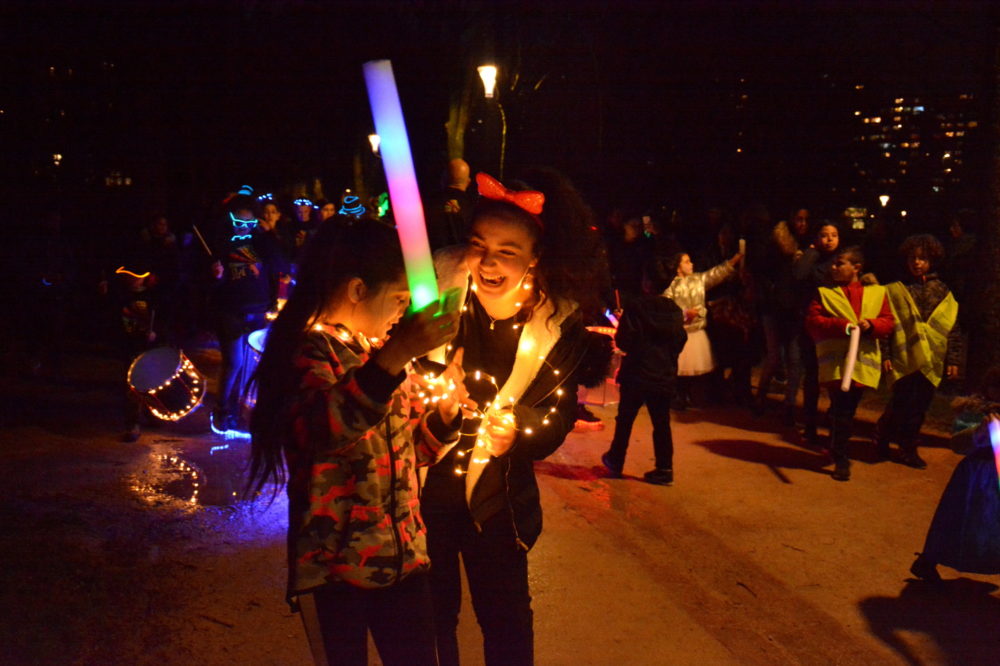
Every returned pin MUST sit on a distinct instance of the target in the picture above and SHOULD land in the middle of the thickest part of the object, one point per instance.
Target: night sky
(637, 101)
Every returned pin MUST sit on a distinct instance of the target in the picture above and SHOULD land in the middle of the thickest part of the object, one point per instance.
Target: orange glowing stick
(135, 275)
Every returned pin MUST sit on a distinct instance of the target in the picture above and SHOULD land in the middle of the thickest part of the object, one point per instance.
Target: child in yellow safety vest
(924, 348)
(831, 316)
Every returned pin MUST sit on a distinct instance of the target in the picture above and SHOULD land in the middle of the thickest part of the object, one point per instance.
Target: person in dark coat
(965, 531)
(651, 334)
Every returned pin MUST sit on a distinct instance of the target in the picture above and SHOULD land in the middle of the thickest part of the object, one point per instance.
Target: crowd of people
(408, 438)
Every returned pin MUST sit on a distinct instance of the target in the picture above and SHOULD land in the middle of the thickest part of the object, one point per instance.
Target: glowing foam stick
(994, 428)
(851, 358)
(403, 192)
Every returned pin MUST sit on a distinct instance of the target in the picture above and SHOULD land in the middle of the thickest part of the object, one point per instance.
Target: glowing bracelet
(403, 192)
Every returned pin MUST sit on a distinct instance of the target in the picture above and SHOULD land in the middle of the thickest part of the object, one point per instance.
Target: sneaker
(913, 459)
(584, 414)
(842, 472)
(659, 477)
(614, 471)
(924, 569)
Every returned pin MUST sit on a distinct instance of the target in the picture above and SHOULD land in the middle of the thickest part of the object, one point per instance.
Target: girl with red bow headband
(533, 262)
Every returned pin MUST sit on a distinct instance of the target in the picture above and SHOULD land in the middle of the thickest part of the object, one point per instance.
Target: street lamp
(374, 140)
(884, 200)
(488, 73)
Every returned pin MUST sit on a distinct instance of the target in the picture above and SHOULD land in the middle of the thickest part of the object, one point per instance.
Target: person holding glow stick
(965, 531)
(687, 290)
(336, 407)
(830, 319)
(532, 266)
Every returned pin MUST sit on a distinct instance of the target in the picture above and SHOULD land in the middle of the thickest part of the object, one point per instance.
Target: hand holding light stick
(851, 358)
(403, 193)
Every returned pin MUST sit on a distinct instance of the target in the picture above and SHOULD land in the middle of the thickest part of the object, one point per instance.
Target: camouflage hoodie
(358, 435)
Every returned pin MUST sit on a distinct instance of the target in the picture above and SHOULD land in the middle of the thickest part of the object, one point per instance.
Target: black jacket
(651, 334)
(508, 486)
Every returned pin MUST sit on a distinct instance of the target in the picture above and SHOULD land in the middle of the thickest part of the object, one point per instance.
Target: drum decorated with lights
(167, 383)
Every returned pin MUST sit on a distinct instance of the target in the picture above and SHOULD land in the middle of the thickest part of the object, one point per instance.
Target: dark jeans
(903, 416)
(843, 405)
(658, 404)
(399, 618)
(497, 570)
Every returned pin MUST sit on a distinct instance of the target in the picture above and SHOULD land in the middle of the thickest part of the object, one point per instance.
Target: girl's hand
(500, 431)
(951, 372)
(453, 381)
(865, 325)
(736, 259)
(418, 333)
(887, 366)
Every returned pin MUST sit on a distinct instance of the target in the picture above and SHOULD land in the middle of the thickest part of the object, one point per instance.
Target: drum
(167, 383)
(255, 341)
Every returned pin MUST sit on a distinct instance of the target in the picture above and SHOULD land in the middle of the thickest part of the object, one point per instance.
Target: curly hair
(929, 246)
(572, 266)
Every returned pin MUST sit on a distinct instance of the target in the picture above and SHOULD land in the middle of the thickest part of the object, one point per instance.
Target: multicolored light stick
(399, 172)
(994, 429)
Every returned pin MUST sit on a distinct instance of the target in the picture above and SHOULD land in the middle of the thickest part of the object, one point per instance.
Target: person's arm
(719, 274)
(953, 356)
(628, 337)
(338, 407)
(542, 430)
(821, 325)
(881, 326)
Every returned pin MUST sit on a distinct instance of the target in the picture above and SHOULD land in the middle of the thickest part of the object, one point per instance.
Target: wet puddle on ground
(192, 472)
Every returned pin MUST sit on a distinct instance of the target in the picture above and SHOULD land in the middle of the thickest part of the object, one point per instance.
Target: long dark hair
(572, 266)
(343, 248)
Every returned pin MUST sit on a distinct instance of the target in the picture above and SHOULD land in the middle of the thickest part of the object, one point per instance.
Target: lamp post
(488, 73)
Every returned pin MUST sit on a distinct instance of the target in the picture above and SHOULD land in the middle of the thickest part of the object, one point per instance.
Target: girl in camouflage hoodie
(342, 415)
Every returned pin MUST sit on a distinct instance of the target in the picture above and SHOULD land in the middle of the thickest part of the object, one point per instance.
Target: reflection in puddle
(200, 475)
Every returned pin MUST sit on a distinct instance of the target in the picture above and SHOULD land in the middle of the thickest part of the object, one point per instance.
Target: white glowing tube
(851, 358)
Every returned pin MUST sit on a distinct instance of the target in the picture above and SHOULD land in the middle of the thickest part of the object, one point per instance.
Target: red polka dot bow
(528, 200)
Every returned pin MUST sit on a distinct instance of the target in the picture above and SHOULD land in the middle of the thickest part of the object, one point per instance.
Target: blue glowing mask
(242, 229)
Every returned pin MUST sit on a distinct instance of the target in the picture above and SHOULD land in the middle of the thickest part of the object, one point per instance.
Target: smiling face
(381, 308)
(327, 211)
(828, 239)
(500, 254)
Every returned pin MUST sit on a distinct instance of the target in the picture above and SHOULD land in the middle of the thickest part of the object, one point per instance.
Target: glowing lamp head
(883, 199)
(374, 140)
(488, 73)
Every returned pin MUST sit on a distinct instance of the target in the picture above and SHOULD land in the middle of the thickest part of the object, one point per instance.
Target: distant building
(915, 148)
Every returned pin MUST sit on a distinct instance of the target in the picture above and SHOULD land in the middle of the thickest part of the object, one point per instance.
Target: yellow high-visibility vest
(918, 345)
(830, 353)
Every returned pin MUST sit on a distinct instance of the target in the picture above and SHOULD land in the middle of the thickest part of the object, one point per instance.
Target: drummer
(246, 271)
(136, 315)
